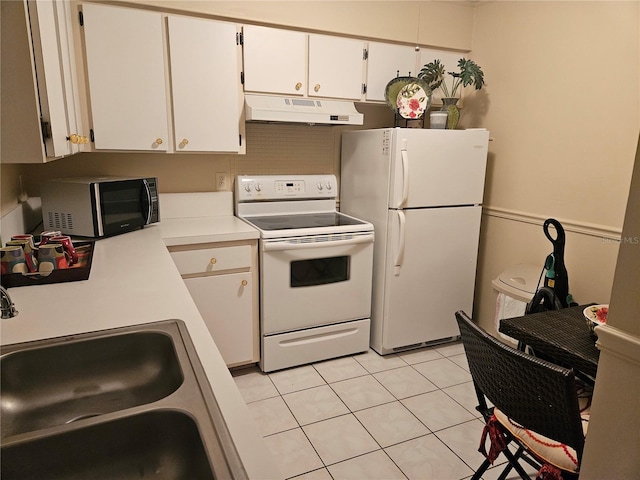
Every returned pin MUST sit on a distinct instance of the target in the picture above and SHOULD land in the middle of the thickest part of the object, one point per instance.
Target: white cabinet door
(39, 91)
(274, 60)
(387, 61)
(126, 77)
(205, 85)
(52, 60)
(225, 303)
(335, 67)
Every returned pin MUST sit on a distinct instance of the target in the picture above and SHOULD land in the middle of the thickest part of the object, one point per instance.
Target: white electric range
(315, 269)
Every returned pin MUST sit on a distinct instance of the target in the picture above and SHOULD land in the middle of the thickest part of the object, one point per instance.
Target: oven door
(313, 281)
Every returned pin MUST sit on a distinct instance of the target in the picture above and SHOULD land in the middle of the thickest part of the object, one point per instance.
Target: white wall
(563, 106)
(613, 441)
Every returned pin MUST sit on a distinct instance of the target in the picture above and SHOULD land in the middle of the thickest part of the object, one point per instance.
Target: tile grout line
(353, 412)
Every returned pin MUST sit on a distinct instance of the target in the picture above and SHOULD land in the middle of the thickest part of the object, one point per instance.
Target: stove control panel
(285, 187)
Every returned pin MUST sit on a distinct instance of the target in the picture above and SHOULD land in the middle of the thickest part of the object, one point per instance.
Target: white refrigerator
(422, 190)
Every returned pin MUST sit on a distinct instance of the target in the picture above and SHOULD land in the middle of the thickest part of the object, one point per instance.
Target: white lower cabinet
(222, 280)
(225, 303)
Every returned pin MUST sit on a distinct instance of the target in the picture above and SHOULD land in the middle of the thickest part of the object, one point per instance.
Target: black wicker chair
(532, 398)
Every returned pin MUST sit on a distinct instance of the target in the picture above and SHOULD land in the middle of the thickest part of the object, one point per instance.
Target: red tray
(73, 274)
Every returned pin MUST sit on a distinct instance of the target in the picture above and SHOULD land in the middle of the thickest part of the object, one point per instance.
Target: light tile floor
(409, 415)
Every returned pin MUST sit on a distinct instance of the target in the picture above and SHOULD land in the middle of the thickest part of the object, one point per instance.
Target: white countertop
(133, 280)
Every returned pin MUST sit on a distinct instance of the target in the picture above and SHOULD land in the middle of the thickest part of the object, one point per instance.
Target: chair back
(533, 392)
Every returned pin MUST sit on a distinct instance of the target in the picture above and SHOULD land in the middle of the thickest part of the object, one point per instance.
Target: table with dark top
(562, 335)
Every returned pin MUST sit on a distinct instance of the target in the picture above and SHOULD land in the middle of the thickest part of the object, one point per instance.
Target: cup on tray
(66, 243)
(45, 236)
(52, 256)
(25, 236)
(12, 260)
(83, 255)
(29, 251)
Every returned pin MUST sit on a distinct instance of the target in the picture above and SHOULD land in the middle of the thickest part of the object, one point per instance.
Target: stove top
(286, 206)
(309, 220)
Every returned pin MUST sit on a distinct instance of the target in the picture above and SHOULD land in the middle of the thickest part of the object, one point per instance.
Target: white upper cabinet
(386, 62)
(144, 98)
(126, 77)
(335, 67)
(295, 63)
(274, 60)
(39, 90)
(205, 84)
(55, 67)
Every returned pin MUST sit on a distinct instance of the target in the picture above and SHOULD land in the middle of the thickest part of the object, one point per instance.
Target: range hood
(265, 108)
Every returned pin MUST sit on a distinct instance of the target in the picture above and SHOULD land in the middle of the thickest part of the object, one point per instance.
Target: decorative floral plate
(597, 313)
(412, 101)
(408, 96)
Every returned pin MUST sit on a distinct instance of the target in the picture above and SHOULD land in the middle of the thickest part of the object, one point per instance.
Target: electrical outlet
(222, 182)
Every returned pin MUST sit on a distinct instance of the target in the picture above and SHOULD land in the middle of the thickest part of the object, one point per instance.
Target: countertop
(133, 281)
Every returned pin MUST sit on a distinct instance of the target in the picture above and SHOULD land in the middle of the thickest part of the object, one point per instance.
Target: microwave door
(121, 206)
(146, 201)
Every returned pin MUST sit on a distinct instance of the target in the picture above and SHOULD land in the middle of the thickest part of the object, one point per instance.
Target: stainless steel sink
(126, 403)
(64, 382)
(159, 444)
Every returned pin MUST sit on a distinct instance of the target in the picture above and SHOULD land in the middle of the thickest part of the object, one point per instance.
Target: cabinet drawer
(212, 259)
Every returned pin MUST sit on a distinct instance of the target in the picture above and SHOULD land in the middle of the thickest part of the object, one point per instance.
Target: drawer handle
(244, 283)
(213, 261)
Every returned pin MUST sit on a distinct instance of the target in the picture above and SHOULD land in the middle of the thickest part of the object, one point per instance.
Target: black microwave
(99, 206)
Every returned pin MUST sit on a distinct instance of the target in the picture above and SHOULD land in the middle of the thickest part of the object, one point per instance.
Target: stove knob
(247, 187)
(258, 187)
(319, 185)
(329, 187)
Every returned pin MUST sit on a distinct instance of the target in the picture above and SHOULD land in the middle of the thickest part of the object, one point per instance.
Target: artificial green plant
(469, 73)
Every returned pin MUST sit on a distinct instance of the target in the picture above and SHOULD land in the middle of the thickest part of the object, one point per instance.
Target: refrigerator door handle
(405, 177)
(401, 243)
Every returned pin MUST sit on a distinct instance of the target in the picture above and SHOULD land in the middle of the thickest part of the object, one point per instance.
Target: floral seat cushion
(548, 450)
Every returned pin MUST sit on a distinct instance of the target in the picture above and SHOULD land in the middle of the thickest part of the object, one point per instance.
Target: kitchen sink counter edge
(134, 281)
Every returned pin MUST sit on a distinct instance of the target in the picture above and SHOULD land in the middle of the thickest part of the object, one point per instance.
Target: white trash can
(516, 286)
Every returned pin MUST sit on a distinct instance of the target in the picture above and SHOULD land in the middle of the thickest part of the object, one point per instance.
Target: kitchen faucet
(8, 308)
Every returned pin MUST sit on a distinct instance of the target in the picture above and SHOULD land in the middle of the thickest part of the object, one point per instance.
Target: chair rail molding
(606, 232)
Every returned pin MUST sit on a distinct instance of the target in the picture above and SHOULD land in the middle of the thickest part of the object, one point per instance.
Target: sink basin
(129, 402)
(158, 444)
(64, 382)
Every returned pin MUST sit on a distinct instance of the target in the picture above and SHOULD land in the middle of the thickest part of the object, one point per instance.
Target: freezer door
(437, 167)
(431, 267)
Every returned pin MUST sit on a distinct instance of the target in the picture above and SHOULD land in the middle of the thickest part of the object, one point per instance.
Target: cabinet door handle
(77, 139)
(184, 143)
(316, 88)
(298, 86)
(213, 261)
(158, 141)
(244, 283)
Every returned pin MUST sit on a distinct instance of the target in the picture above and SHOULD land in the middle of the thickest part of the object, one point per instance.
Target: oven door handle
(269, 246)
